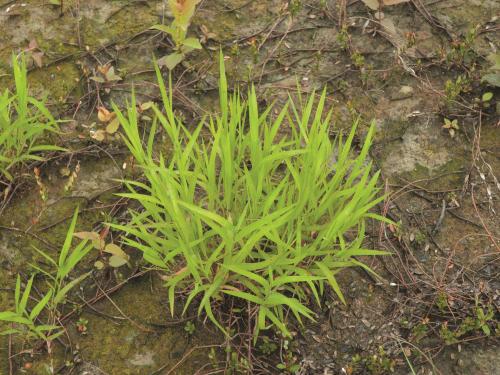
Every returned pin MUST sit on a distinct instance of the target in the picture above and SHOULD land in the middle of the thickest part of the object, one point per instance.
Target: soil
(391, 68)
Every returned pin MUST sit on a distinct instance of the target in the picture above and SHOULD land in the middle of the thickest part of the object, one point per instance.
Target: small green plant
(82, 326)
(381, 363)
(23, 121)
(289, 362)
(267, 346)
(24, 321)
(183, 11)
(375, 364)
(237, 363)
(442, 301)
(481, 321)
(257, 213)
(462, 51)
(483, 318)
(212, 356)
(190, 328)
(419, 331)
(29, 323)
(343, 38)
(451, 126)
(452, 89)
(295, 6)
(358, 60)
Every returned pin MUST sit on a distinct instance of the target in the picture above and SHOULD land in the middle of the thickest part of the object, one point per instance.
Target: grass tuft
(267, 210)
(23, 121)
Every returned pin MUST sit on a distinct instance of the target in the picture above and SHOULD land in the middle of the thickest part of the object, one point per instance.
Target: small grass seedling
(41, 320)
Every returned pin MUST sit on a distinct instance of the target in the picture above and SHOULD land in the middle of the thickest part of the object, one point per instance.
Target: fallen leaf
(112, 76)
(103, 69)
(33, 44)
(113, 126)
(98, 135)
(207, 34)
(372, 4)
(98, 79)
(87, 235)
(104, 115)
(37, 58)
(145, 106)
(97, 241)
(64, 171)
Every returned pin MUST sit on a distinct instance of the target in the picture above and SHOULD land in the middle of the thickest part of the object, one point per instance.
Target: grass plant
(265, 211)
(23, 121)
(41, 321)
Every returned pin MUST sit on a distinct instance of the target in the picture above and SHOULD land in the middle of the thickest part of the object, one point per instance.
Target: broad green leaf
(164, 28)
(116, 261)
(117, 251)
(171, 61)
(113, 126)
(192, 43)
(9, 316)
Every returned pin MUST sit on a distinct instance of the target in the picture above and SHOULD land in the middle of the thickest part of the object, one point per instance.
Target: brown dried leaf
(104, 115)
(94, 237)
(372, 4)
(104, 69)
(37, 58)
(112, 76)
(87, 235)
(33, 44)
(99, 135)
(145, 106)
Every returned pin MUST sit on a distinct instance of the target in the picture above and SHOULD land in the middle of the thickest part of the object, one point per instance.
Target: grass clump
(41, 321)
(265, 211)
(23, 121)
